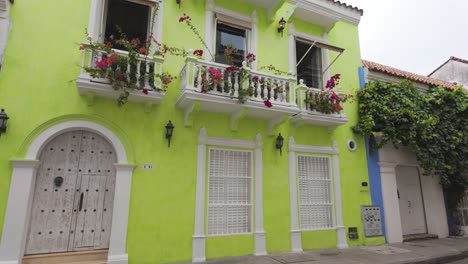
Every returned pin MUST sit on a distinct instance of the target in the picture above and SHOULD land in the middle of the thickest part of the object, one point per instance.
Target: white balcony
(223, 97)
(307, 115)
(146, 74)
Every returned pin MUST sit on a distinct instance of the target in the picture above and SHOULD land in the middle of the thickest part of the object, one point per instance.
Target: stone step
(80, 257)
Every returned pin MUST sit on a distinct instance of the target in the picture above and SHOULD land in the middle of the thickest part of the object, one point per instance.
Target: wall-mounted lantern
(3, 121)
(279, 143)
(169, 130)
(178, 2)
(281, 26)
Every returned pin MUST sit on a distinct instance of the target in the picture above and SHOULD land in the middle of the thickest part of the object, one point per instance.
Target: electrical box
(371, 220)
(353, 233)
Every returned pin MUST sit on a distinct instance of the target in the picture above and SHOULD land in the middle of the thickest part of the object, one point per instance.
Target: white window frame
(98, 16)
(331, 192)
(252, 185)
(199, 236)
(333, 152)
(211, 23)
(294, 36)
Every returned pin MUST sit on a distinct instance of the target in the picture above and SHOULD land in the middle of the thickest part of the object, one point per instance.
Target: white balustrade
(146, 72)
(230, 82)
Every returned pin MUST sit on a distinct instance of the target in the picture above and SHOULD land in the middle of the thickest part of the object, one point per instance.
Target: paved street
(437, 251)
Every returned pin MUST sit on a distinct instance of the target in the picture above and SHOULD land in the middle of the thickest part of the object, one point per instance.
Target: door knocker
(58, 181)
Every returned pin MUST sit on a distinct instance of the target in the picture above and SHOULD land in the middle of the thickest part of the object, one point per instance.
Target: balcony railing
(256, 86)
(331, 114)
(238, 91)
(142, 74)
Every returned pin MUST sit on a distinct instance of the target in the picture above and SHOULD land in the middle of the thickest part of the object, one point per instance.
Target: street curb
(441, 259)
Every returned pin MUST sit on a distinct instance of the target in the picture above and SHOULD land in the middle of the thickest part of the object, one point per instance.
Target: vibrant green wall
(37, 85)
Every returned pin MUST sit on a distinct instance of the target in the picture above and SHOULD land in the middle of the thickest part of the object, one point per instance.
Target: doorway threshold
(79, 257)
(407, 238)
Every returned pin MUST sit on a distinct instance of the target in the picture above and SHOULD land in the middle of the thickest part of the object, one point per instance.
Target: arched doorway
(73, 195)
(18, 215)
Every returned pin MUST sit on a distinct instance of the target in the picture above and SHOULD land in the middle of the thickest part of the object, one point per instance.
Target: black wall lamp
(178, 2)
(3, 121)
(279, 143)
(169, 130)
(281, 26)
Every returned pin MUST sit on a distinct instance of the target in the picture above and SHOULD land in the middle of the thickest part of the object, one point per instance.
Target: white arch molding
(22, 185)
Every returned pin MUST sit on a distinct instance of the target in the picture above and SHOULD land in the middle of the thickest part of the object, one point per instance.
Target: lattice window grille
(315, 192)
(229, 192)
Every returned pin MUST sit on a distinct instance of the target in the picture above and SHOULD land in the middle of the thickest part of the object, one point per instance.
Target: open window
(232, 37)
(310, 64)
(130, 18)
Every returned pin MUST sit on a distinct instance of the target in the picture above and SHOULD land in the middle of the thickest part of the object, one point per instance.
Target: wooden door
(410, 200)
(85, 162)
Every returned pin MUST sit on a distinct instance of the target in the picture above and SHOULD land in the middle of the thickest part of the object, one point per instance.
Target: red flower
(256, 78)
(203, 90)
(142, 50)
(334, 96)
(145, 91)
(135, 41)
(198, 53)
(111, 59)
(267, 103)
(102, 63)
(231, 68)
(337, 107)
(109, 44)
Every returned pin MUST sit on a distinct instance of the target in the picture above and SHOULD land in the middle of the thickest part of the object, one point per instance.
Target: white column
(296, 241)
(254, 38)
(198, 239)
(260, 235)
(340, 228)
(292, 49)
(209, 26)
(16, 222)
(393, 229)
(118, 238)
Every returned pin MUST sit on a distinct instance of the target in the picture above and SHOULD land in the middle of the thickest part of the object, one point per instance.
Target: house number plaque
(371, 221)
(147, 166)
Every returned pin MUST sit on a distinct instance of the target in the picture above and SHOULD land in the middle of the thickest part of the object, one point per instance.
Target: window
(310, 67)
(128, 18)
(315, 192)
(229, 192)
(231, 37)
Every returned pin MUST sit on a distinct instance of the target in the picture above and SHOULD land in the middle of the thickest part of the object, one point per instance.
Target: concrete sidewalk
(418, 252)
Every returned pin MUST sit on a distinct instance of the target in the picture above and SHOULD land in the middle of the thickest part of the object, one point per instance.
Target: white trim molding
(199, 236)
(22, 186)
(296, 241)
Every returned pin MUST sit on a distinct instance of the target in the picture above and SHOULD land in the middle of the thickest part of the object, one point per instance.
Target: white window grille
(463, 209)
(315, 193)
(229, 192)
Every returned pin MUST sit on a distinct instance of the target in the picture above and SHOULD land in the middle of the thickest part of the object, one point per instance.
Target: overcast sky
(413, 35)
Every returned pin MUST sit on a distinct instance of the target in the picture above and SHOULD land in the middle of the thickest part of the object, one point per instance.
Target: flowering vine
(188, 21)
(326, 100)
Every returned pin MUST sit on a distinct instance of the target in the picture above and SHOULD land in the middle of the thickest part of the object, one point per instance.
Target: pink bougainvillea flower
(145, 91)
(255, 78)
(198, 53)
(231, 68)
(184, 18)
(203, 90)
(120, 76)
(267, 103)
(251, 57)
(334, 96)
(135, 41)
(102, 63)
(142, 50)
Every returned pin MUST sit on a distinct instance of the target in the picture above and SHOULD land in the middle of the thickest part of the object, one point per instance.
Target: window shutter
(229, 192)
(315, 192)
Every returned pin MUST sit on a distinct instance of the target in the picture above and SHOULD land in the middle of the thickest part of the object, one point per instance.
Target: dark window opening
(310, 68)
(227, 36)
(127, 18)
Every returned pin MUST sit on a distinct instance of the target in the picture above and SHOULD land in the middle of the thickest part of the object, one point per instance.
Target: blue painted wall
(373, 167)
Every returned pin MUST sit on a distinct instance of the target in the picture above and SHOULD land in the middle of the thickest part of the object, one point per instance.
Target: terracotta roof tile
(348, 6)
(373, 66)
